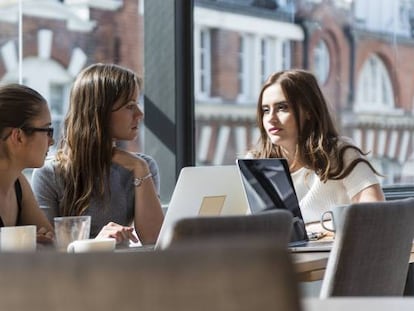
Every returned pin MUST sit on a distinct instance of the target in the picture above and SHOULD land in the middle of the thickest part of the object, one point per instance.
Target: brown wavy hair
(319, 147)
(85, 152)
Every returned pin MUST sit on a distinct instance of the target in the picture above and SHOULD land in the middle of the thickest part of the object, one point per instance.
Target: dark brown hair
(19, 104)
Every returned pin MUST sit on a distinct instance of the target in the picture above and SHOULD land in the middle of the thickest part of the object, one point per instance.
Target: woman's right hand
(122, 234)
(130, 161)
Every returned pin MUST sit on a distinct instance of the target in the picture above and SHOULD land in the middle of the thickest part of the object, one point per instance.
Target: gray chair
(237, 277)
(275, 224)
(371, 251)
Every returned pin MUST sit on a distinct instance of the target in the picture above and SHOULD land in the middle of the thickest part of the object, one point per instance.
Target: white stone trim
(248, 24)
(381, 143)
(222, 142)
(77, 61)
(204, 143)
(44, 46)
(241, 141)
(403, 152)
(369, 142)
(392, 147)
(9, 55)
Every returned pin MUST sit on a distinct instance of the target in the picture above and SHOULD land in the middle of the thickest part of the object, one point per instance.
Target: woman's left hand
(44, 236)
(122, 234)
(130, 161)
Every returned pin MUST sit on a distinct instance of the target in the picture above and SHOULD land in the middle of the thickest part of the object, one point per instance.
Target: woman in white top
(295, 123)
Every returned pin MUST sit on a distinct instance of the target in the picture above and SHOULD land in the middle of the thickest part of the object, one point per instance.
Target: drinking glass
(69, 229)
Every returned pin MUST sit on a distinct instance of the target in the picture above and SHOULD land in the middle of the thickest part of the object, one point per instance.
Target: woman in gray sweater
(90, 175)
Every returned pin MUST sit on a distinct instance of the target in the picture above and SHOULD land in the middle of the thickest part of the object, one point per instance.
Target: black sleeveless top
(19, 196)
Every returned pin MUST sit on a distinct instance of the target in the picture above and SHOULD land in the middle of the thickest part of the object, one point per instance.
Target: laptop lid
(203, 191)
(268, 185)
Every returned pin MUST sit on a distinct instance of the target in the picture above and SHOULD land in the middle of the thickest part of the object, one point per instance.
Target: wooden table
(310, 266)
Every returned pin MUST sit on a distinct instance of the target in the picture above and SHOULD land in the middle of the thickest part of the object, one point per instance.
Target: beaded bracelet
(139, 180)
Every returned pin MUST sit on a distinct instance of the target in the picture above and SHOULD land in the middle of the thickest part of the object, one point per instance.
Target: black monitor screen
(268, 185)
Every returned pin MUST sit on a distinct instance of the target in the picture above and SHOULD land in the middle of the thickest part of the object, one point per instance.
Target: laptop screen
(203, 191)
(268, 185)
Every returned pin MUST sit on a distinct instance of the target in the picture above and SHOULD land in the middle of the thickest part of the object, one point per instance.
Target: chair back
(274, 224)
(255, 276)
(371, 251)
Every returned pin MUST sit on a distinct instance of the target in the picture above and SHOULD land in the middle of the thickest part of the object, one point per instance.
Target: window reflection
(361, 50)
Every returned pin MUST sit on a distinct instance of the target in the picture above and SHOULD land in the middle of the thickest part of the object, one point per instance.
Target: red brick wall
(224, 64)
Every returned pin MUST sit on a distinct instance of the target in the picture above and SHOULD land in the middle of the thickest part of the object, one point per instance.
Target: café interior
(203, 63)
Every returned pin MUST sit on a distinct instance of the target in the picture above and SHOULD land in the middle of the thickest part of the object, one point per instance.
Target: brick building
(60, 39)
(360, 51)
(361, 65)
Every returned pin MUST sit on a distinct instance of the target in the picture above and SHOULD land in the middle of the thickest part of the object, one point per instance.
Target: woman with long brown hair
(90, 175)
(295, 123)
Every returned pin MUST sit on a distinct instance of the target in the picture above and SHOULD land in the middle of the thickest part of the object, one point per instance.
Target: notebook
(203, 191)
(268, 185)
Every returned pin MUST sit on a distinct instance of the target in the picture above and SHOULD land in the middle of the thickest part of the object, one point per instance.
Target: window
(267, 58)
(244, 68)
(363, 69)
(202, 63)
(263, 59)
(286, 54)
(322, 61)
(374, 88)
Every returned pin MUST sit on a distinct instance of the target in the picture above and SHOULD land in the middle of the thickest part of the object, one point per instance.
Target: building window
(57, 104)
(321, 61)
(203, 63)
(241, 65)
(286, 54)
(244, 70)
(267, 58)
(374, 91)
(263, 58)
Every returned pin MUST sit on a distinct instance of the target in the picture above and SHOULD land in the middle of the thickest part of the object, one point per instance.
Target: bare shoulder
(24, 182)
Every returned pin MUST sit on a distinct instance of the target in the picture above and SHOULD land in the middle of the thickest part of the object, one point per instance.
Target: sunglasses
(48, 130)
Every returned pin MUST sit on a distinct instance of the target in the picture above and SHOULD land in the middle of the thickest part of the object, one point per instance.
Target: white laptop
(268, 185)
(203, 191)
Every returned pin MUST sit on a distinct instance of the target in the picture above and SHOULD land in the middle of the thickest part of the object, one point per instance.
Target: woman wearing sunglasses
(25, 137)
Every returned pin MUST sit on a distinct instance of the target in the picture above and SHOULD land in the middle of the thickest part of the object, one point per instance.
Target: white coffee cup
(18, 239)
(69, 229)
(92, 245)
(336, 218)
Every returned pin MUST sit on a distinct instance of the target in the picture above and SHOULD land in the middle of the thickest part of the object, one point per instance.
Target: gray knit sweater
(48, 188)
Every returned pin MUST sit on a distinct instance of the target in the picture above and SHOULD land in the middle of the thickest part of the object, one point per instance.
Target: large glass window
(361, 50)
